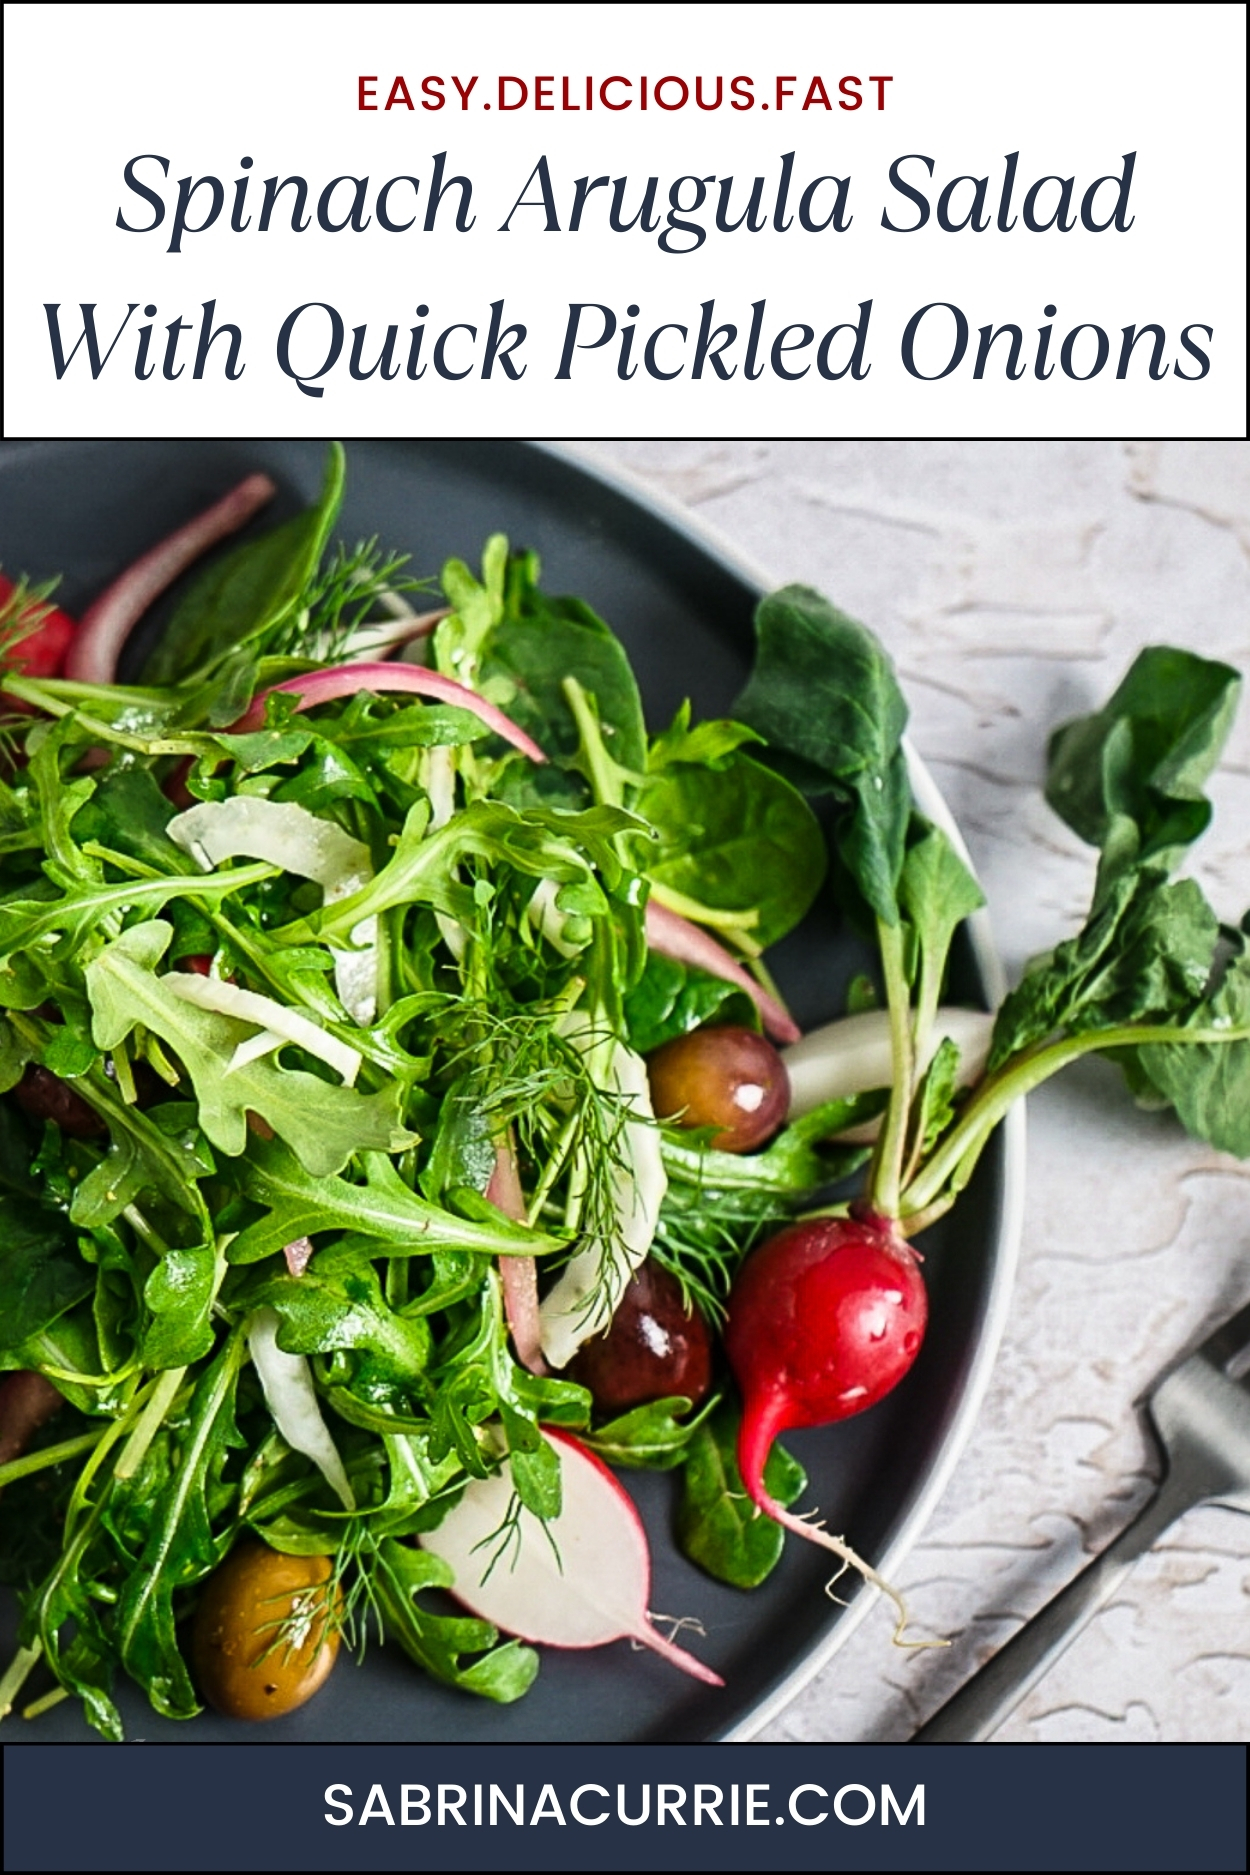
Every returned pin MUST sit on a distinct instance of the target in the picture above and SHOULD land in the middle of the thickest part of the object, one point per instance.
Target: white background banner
(672, 220)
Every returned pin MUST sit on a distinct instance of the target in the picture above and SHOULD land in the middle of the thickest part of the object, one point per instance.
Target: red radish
(108, 622)
(674, 936)
(518, 1276)
(581, 1580)
(41, 653)
(824, 1319)
(344, 680)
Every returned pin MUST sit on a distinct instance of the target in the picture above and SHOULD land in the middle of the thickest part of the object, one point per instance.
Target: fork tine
(1228, 1340)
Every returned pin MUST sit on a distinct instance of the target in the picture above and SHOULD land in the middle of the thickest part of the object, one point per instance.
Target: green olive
(264, 1637)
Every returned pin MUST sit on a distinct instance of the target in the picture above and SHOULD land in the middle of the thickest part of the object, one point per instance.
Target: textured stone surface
(1013, 582)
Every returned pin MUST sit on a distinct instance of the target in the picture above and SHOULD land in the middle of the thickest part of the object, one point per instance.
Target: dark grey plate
(85, 509)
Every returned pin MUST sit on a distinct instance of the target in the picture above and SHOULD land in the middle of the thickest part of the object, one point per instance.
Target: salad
(402, 1133)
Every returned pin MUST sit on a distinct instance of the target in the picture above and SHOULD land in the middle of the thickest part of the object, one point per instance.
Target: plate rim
(995, 1302)
(1010, 1228)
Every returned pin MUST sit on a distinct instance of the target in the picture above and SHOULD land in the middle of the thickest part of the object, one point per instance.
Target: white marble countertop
(1013, 583)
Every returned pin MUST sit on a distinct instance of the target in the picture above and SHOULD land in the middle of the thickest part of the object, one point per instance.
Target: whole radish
(824, 1320)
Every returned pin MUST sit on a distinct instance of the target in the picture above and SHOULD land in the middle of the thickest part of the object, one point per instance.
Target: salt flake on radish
(582, 1580)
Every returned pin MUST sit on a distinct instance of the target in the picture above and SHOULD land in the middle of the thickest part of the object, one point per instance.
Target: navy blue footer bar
(605, 1807)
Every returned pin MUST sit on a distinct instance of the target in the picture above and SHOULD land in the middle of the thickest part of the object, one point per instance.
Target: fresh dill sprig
(339, 601)
(23, 611)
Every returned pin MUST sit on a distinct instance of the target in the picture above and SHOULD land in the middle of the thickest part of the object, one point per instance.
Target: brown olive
(652, 1348)
(45, 1096)
(729, 1078)
(264, 1638)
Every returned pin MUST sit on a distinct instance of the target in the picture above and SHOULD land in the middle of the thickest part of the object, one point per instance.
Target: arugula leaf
(180, 1293)
(394, 1219)
(823, 691)
(183, 1546)
(337, 1304)
(708, 743)
(654, 1437)
(64, 1601)
(323, 1124)
(718, 1526)
(793, 1161)
(129, 813)
(1129, 777)
(440, 1643)
(540, 843)
(735, 837)
(250, 589)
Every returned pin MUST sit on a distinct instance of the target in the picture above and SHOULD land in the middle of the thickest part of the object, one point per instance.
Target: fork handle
(979, 1707)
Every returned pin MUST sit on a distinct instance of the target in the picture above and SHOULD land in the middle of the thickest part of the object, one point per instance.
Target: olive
(264, 1638)
(729, 1078)
(652, 1347)
(45, 1096)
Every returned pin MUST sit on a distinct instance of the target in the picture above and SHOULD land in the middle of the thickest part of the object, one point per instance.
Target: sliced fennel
(287, 835)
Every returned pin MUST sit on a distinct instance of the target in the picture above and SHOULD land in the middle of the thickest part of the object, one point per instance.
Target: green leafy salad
(394, 1092)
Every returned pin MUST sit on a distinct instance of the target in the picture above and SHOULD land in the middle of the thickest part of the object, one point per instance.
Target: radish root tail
(817, 1533)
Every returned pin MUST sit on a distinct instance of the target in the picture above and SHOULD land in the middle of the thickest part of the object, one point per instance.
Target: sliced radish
(344, 680)
(582, 1580)
(674, 936)
(107, 623)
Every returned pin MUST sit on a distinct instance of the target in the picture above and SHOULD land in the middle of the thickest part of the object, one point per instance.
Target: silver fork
(1202, 1417)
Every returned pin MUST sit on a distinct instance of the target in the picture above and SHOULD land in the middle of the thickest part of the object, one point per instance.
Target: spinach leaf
(718, 1526)
(1146, 950)
(254, 586)
(735, 837)
(671, 998)
(129, 814)
(440, 1643)
(1208, 1084)
(1129, 777)
(936, 892)
(823, 691)
(540, 642)
(41, 1273)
